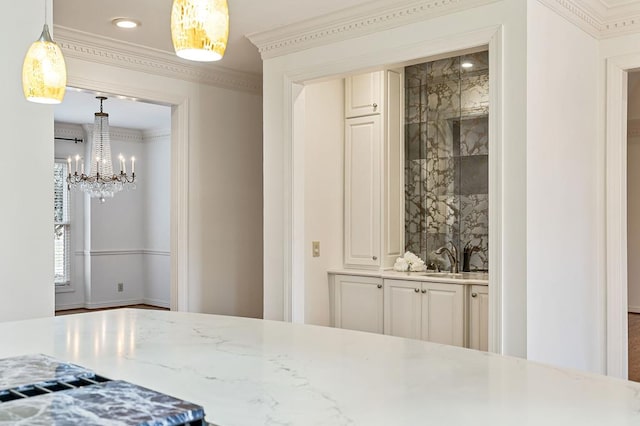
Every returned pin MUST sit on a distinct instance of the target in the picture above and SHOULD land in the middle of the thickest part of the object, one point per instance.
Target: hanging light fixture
(44, 72)
(200, 29)
(101, 182)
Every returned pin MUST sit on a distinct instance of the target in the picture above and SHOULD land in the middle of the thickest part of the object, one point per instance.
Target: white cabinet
(373, 187)
(443, 313)
(479, 317)
(362, 191)
(363, 94)
(425, 310)
(358, 303)
(402, 308)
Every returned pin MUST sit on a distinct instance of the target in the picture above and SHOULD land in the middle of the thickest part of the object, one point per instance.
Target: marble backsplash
(446, 137)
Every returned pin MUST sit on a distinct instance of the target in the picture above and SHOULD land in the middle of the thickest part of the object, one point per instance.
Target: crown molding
(108, 51)
(597, 17)
(68, 130)
(352, 22)
(155, 135)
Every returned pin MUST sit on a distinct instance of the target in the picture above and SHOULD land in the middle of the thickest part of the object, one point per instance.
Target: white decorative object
(409, 262)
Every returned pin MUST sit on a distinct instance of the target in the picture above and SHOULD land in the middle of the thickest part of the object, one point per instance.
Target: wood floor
(83, 310)
(634, 347)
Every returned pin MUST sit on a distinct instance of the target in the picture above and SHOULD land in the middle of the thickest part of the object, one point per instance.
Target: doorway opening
(298, 240)
(113, 251)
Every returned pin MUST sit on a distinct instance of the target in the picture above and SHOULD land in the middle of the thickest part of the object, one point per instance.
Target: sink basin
(460, 275)
(443, 274)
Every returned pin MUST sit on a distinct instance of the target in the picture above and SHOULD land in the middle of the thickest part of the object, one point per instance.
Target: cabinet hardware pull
(379, 285)
(474, 294)
(424, 291)
(417, 290)
(375, 105)
(375, 257)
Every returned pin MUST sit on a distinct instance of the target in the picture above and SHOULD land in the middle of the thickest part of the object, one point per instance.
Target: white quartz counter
(255, 372)
(475, 278)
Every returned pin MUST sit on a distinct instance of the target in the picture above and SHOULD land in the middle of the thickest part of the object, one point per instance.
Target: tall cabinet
(374, 201)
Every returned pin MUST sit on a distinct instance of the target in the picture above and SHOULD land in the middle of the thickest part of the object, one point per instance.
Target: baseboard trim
(114, 303)
(634, 309)
(69, 306)
(156, 302)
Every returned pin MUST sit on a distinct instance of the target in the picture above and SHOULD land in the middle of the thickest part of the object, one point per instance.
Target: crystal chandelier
(101, 182)
(44, 73)
(200, 29)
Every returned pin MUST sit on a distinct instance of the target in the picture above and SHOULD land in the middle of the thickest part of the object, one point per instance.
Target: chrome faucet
(453, 256)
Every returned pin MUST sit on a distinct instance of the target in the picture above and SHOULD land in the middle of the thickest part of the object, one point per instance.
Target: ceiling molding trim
(127, 135)
(155, 135)
(354, 22)
(68, 130)
(108, 51)
(578, 15)
(599, 19)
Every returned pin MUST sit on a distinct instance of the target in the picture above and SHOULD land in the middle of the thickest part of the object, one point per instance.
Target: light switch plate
(316, 249)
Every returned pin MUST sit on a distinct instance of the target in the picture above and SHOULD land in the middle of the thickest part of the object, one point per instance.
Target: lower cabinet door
(479, 318)
(402, 308)
(443, 313)
(358, 303)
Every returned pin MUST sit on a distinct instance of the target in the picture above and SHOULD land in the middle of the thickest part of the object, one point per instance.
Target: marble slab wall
(446, 156)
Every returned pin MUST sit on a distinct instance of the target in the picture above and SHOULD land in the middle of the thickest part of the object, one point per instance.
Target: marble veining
(115, 403)
(31, 369)
(446, 157)
(254, 372)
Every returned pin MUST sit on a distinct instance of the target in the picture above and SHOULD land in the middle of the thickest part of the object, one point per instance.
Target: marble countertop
(114, 403)
(475, 278)
(254, 372)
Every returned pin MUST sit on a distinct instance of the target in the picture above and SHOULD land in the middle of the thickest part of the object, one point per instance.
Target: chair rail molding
(108, 51)
(353, 22)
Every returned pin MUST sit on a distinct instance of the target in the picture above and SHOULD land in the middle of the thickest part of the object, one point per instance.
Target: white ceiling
(246, 16)
(78, 107)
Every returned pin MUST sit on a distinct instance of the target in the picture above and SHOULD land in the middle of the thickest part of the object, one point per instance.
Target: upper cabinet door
(362, 192)
(363, 94)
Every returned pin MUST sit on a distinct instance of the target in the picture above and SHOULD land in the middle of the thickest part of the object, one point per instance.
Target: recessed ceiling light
(467, 65)
(126, 23)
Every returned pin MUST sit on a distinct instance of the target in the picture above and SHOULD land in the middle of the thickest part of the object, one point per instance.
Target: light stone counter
(475, 278)
(255, 372)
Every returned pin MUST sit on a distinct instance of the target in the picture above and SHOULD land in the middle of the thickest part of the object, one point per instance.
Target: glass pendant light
(44, 72)
(200, 29)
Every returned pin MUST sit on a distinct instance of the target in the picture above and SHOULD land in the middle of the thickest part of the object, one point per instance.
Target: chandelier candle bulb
(77, 159)
(133, 165)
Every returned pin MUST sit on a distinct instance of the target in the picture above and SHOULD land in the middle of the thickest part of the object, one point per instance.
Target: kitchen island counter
(253, 372)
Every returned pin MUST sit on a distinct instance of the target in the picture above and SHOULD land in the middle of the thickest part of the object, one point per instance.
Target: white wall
(156, 178)
(562, 200)
(118, 231)
(225, 185)
(324, 193)
(393, 46)
(26, 255)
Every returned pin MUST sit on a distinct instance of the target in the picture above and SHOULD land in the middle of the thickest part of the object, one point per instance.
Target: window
(61, 223)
